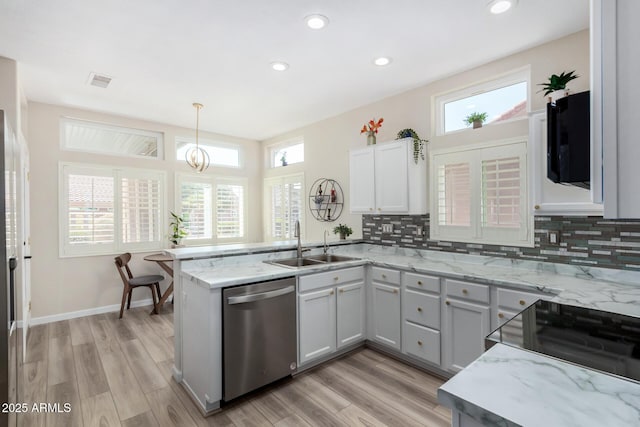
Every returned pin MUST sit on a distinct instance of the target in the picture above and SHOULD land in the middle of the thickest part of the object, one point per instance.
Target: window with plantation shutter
(480, 194)
(214, 208)
(106, 210)
(284, 205)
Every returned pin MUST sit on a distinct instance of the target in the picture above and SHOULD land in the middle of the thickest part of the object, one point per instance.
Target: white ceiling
(166, 54)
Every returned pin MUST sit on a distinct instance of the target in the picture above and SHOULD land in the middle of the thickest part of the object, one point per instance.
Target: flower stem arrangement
(557, 82)
(418, 143)
(177, 229)
(371, 129)
(343, 230)
(476, 119)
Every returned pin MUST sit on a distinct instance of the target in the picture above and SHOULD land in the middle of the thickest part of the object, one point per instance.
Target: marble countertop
(513, 387)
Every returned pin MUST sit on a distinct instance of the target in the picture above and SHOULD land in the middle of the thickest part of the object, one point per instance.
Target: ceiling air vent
(99, 80)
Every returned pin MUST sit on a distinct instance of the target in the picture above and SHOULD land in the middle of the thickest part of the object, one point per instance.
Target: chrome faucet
(325, 248)
(296, 233)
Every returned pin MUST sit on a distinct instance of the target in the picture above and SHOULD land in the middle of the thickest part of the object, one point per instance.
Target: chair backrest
(122, 262)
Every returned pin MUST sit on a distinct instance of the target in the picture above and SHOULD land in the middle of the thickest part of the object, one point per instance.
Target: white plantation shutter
(196, 207)
(480, 194)
(106, 210)
(229, 211)
(91, 205)
(140, 212)
(284, 204)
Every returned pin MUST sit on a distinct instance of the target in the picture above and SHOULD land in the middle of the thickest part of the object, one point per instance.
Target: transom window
(220, 153)
(286, 153)
(502, 100)
(81, 135)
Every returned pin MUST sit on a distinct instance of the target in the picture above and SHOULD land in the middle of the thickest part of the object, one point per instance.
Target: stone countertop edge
(536, 390)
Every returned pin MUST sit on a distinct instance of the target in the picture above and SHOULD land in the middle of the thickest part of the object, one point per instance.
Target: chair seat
(146, 280)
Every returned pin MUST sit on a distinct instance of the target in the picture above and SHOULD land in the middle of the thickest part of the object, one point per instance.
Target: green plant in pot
(177, 229)
(476, 119)
(558, 83)
(418, 143)
(343, 230)
(283, 159)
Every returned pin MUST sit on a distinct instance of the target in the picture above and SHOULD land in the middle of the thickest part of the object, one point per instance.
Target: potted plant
(371, 129)
(177, 230)
(418, 143)
(343, 230)
(557, 85)
(476, 119)
(283, 159)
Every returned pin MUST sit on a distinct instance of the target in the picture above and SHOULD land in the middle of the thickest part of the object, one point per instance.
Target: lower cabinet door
(421, 342)
(467, 325)
(350, 312)
(317, 324)
(386, 314)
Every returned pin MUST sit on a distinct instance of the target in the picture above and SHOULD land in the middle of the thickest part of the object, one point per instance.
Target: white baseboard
(82, 313)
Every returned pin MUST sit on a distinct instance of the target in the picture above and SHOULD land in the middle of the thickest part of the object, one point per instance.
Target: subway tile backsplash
(591, 241)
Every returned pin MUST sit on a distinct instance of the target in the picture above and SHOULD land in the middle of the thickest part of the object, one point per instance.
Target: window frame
(214, 180)
(272, 148)
(213, 144)
(110, 127)
(507, 79)
(66, 250)
(477, 233)
(267, 208)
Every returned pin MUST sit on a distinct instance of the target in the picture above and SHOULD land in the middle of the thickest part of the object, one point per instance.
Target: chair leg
(124, 298)
(159, 293)
(129, 299)
(155, 301)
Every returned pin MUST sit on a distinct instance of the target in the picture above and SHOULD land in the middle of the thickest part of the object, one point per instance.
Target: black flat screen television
(568, 135)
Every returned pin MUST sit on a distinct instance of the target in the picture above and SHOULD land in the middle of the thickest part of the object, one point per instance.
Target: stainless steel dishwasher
(259, 335)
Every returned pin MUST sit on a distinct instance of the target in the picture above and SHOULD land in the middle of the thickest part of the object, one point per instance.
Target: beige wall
(61, 285)
(327, 142)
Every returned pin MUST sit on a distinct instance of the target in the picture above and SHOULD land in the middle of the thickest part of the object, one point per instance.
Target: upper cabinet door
(615, 67)
(391, 178)
(362, 191)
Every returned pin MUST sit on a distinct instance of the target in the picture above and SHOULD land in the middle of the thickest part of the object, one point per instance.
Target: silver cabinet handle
(257, 297)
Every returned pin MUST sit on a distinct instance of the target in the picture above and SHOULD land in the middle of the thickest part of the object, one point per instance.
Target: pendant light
(196, 157)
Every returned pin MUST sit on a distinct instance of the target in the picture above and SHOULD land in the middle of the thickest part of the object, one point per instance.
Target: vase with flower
(371, 129)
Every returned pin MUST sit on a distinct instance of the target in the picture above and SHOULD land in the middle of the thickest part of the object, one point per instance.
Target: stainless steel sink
(329, 258)
(310, 260)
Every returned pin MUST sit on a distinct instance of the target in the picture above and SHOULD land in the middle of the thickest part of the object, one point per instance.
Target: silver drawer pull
(420, 309)
(465, 292)
(419, 342)
(420, 282)
(522, 302)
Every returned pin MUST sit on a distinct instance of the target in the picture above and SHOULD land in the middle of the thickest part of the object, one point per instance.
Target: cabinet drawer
(385, 275)
(515, 300)
(422, 342)
(330, 278)
(421, 308)
(422, 282)
(467, 291)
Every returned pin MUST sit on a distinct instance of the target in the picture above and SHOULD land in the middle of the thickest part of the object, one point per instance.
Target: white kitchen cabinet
(331, 312)
(458, 419)
(615, 90)
(467, 322)
(421, 317)
(350, 313)
(385, 179)
(547, 197)
(386, 314)
(317, 314)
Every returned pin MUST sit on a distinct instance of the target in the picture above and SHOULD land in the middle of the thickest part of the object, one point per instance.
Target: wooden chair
(151, 281)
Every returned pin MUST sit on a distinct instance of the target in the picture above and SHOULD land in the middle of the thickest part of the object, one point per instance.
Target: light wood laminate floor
(118, 373)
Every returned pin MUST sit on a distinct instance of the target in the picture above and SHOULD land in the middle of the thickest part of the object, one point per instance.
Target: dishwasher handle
(261, 296)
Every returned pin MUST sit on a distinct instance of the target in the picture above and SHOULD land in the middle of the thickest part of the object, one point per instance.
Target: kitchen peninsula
(492, 281)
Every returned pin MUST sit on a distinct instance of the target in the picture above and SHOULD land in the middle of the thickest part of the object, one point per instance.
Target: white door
(317, 327)
(361, 184)
(25, 242)
(350, 313)
(386, 314)
(392, 178)
(467, 325)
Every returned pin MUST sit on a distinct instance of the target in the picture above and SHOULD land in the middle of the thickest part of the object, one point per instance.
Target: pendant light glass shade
(196, 157)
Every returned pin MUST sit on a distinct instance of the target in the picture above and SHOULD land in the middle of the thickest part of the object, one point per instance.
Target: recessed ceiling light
(316, 22)
(279, 66)
(382, 61)
(500, 6)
